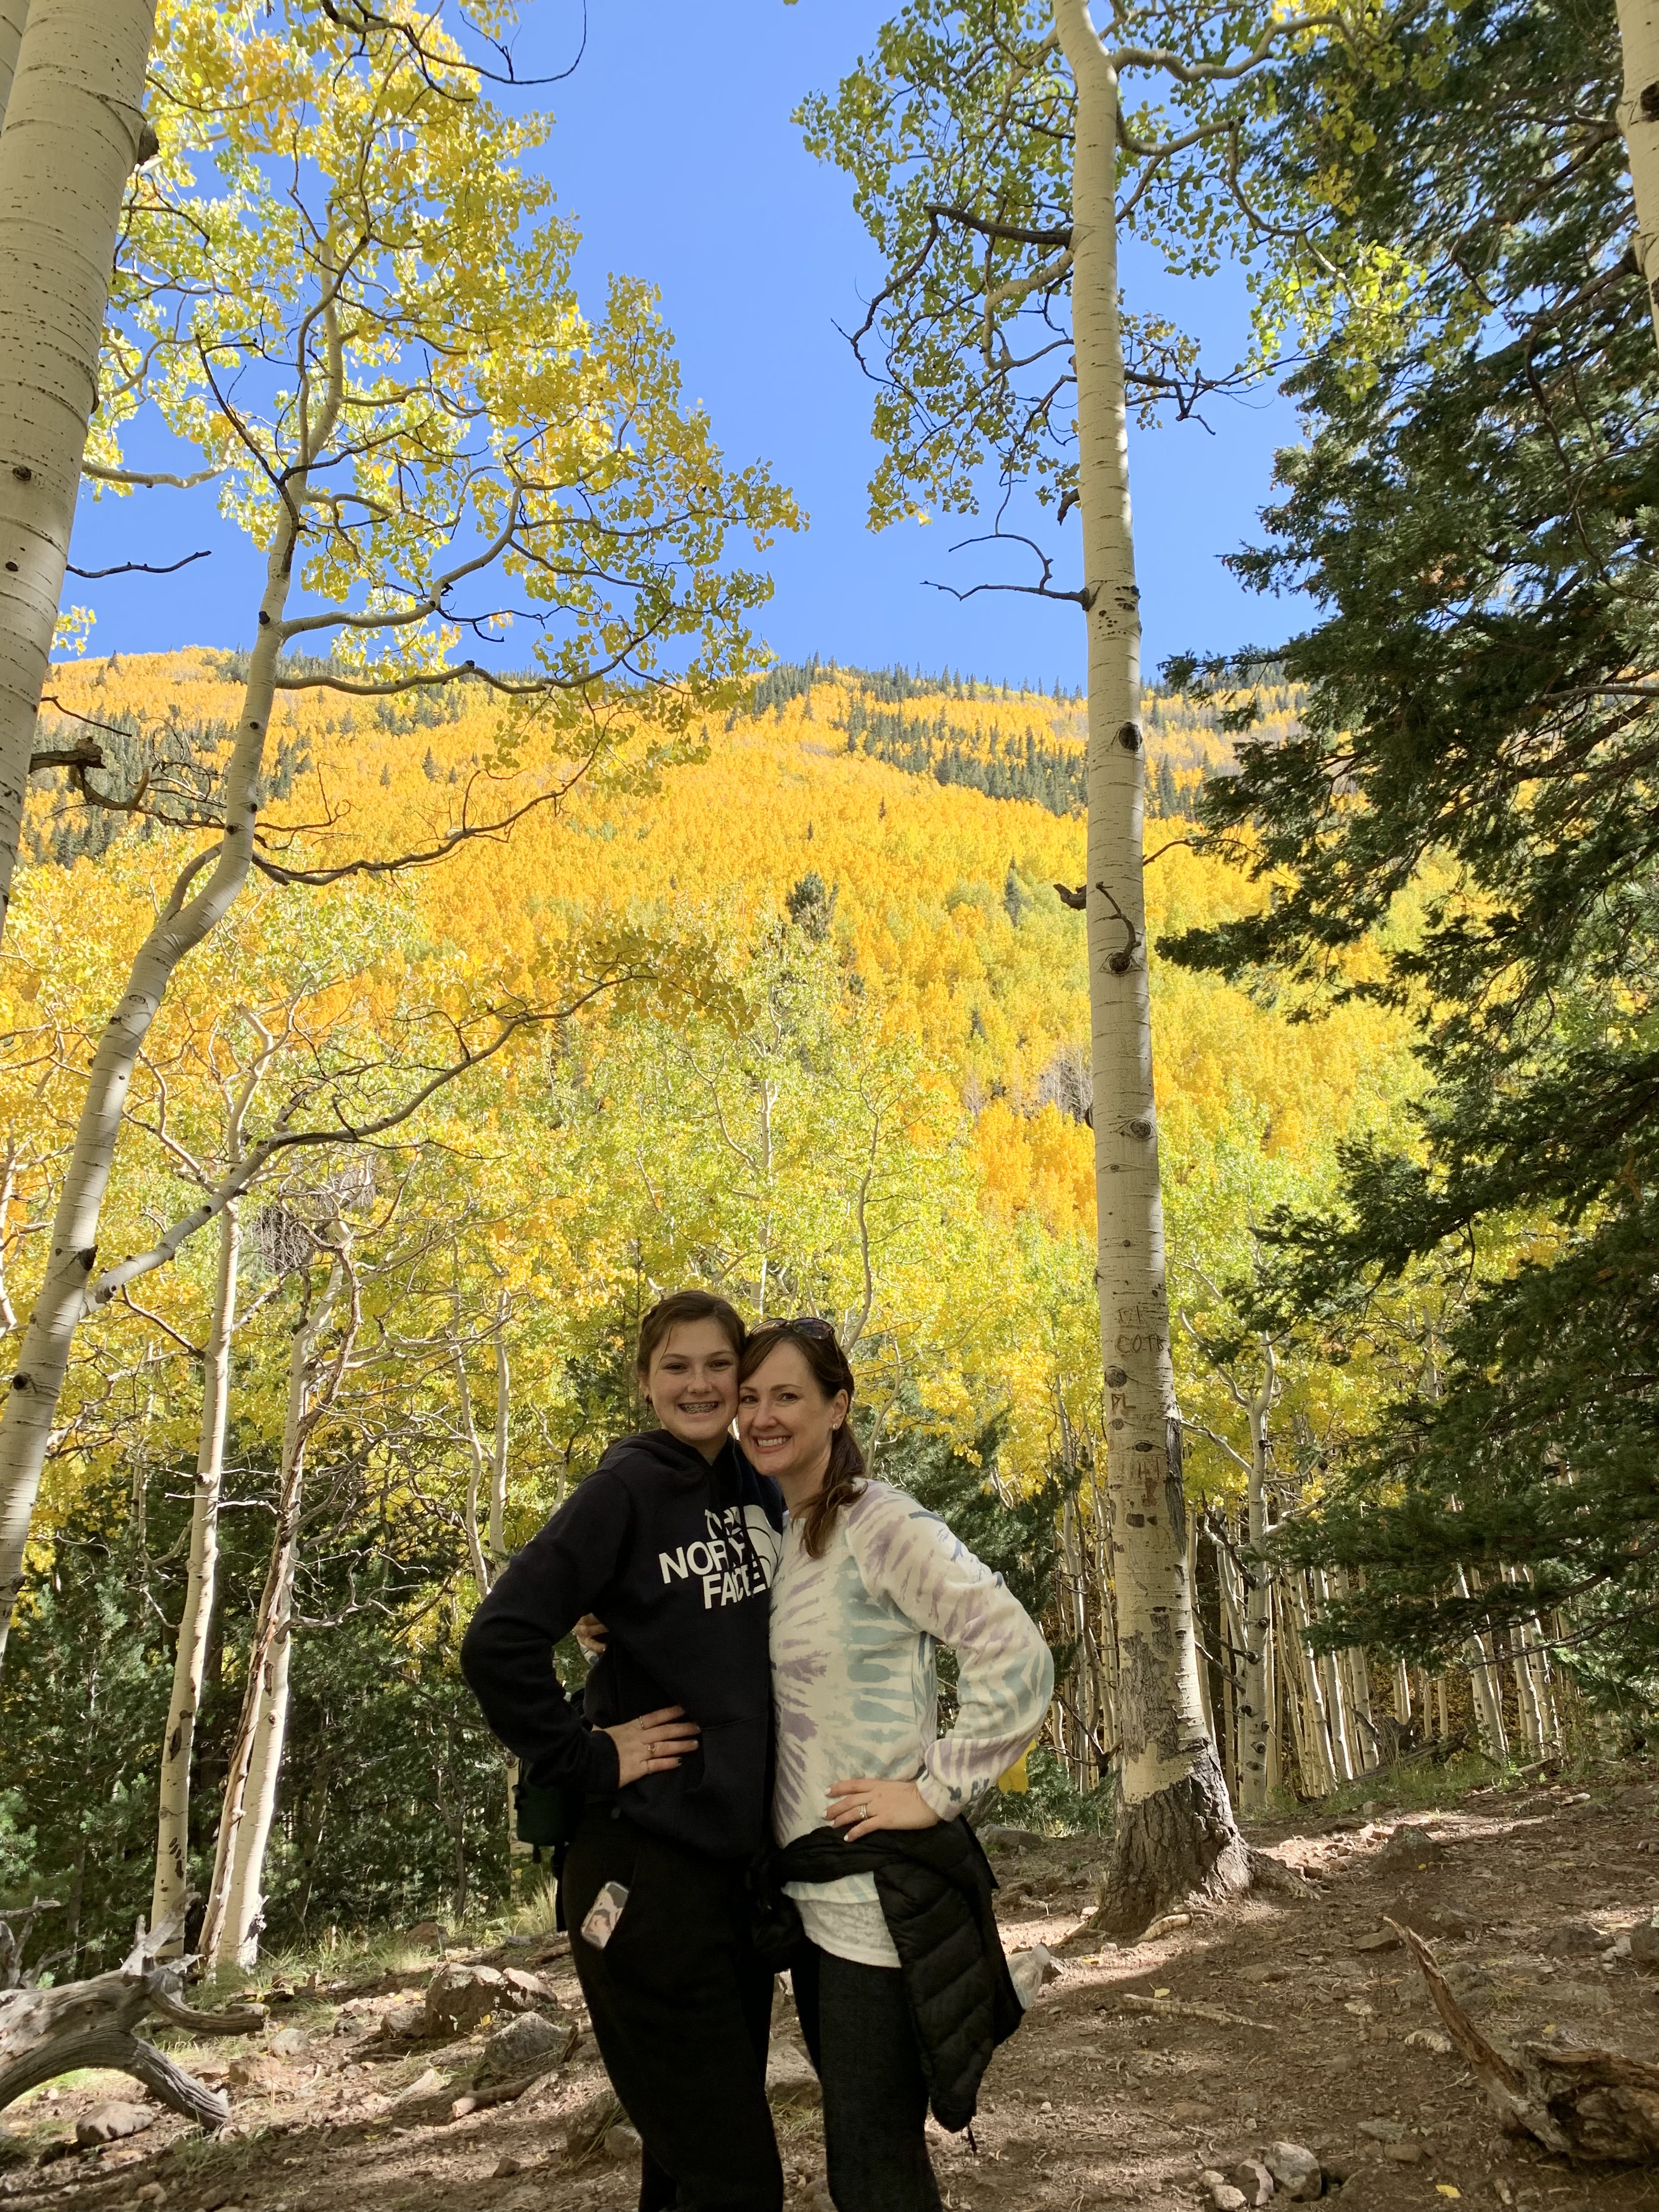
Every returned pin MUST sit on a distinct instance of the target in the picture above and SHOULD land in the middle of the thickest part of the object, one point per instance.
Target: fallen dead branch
(47, 2032)
(1185, 2009)
(1585, 2104)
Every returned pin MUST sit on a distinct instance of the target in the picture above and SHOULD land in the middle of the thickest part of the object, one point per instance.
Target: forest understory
(1280, 2018)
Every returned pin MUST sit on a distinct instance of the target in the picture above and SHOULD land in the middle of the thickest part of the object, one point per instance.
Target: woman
(673, 1542)
(868, 1585)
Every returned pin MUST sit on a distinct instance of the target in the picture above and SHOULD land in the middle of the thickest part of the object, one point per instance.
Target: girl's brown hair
(846, 1474)
(673, 1312)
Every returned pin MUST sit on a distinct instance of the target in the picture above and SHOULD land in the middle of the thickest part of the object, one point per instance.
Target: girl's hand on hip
(861, 1807)
(591, 1635)
(653, 1744)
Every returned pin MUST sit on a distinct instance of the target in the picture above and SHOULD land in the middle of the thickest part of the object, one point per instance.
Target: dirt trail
(1279, 2018)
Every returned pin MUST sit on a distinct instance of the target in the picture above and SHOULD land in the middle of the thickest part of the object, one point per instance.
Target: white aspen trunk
(1530, 1718)
(245, 1905)
(1254, 1704)
(31, 1403)
(14, 13)
(1530, 1703)
(229, 1926)
(1312, 1766)
(73, 116)
(1402, 1692)
(1320, 1736)
(1272, 1680)
(171, 1886)
(1336, 1717)
(1296, 1709)
(1174, 1832)
(1538, 1661)
(1357, 1662)
(1232, 1631)
(498, 1469)
(475, 1480)
(1442, 1718)
(1338, 1726)
(1638, 118)
(1483, 1681)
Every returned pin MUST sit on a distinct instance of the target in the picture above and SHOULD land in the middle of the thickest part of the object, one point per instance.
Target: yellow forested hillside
(959, 974)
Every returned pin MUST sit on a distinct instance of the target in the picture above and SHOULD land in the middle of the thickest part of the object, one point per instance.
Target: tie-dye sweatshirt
(854, 1680)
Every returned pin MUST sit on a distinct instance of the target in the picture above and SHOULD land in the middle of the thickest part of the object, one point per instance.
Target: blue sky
(675, 151)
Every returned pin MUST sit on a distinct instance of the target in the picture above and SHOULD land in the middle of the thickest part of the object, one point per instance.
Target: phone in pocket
(603, 1915)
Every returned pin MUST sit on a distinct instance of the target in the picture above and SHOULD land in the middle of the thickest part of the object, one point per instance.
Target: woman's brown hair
(673, 1312)
(846, 1474)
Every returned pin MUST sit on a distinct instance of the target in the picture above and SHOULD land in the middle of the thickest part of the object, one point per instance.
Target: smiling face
(786, 1424)
(693, 1384)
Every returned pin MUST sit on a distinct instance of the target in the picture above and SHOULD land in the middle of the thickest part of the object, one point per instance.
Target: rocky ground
(1293, 2019)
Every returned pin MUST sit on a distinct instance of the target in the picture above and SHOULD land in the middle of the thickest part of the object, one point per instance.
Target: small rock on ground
(1296, 2170)
(458, 1997)
(112, 2121)
(1253, 2181)
(530, 2040)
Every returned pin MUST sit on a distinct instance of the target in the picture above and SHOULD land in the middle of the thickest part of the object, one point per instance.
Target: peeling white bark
(171, 1886)
(1166, 1757)
(72, 122)
(1638, 118)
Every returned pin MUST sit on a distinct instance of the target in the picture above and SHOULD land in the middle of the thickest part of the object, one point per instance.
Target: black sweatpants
(682, 2013)
(856, 2020)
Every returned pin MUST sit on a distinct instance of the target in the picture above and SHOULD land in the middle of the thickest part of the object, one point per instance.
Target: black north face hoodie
(676, 1555)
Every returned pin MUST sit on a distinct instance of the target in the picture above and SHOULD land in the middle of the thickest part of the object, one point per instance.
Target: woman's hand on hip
(653, 1744)
(863, 1806)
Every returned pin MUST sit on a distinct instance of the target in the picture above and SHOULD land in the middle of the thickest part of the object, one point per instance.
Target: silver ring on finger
(864, 1810)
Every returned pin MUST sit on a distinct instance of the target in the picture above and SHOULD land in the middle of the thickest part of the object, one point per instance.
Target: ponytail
(846, 1474)
(843, 1479)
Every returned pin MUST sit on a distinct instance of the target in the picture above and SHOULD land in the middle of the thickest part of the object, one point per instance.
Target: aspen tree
(74, 131)
(171, 1891)
(1638, 120)
(229, 1926)
(993, 164)
(371, 331)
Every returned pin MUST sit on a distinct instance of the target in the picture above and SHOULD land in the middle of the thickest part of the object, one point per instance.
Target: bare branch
(147, 479)
(1010, 233)
(139, 568)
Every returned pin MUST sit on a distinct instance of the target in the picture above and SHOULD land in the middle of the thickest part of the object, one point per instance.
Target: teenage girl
(672, 1541)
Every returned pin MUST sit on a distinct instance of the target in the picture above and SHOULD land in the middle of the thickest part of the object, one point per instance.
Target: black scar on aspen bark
(1116, 1378)
(1180, 1843)
(23, 474)
(1140, 1129)
(1648, 103)
(1128, 737)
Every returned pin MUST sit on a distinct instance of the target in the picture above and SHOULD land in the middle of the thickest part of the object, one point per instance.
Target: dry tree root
(46, 2033)
(1580, 2104)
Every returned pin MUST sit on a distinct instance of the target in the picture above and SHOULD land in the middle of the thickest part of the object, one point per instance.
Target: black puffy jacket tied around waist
(935, 1886)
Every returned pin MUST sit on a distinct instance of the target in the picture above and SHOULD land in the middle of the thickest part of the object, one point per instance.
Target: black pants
(856, 2020)
(683, 2014)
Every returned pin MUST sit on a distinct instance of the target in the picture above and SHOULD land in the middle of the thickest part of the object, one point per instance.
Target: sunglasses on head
(801, 1325)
